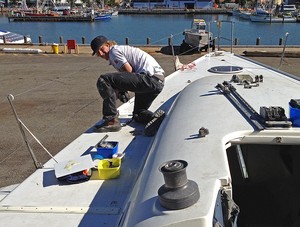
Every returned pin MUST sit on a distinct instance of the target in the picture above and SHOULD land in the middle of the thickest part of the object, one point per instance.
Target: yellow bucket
(55, 48)
(107, 169)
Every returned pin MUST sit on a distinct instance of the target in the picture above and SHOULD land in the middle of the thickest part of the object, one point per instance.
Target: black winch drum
(178, 192)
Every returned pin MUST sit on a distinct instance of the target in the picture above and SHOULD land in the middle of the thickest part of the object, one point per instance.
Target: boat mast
(24, 5)
(40, 7)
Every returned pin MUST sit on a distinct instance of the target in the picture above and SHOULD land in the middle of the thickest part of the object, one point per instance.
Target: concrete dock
(56, 98)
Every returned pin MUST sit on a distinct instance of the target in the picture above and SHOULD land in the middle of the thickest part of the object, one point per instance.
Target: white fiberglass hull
(191, 102)
(272, 19)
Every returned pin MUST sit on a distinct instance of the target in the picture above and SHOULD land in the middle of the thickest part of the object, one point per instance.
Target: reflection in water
(159, 28)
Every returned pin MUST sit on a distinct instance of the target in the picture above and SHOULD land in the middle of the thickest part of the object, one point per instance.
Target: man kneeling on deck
(138, 72)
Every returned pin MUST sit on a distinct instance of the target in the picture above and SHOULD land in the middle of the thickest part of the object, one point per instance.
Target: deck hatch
(226, 69)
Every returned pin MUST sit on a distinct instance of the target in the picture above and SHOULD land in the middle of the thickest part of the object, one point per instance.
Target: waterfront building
(139, 4)
(174, 4)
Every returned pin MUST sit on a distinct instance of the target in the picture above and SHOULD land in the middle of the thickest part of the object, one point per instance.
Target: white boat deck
(132, 199)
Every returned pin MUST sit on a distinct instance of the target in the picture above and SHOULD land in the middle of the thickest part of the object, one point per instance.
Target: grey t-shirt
(139, 60)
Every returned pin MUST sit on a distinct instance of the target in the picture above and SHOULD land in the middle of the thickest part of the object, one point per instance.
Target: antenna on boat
(22, 126)
(282, 54)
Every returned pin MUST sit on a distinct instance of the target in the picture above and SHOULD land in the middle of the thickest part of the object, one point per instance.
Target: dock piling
(236, 41)
(40, 40)
(258, 41)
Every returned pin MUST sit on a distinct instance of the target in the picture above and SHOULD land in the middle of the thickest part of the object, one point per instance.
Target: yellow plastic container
(55, 48)
(107, 169)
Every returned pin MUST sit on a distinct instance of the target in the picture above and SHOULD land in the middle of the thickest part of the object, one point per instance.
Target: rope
(192, 49)
(166, 37)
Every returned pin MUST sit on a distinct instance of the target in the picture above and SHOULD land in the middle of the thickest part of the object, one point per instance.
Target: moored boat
(11, 37)
(42, 14)
(273, 19)
(245, 14)
(102, 16)
(197, 37)
(114, 13)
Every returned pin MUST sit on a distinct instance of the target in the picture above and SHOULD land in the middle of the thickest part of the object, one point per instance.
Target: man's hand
(123, 96)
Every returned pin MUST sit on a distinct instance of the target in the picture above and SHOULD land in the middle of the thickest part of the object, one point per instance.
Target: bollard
(83, 40)
(148, 40)
(40, 39)
(61, 40)
(169, 41)
(126, 41)
(236, 41)
(55, 48)
(280, 41)
(258, 41)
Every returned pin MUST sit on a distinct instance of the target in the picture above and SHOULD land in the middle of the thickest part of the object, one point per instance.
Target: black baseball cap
(97, 43)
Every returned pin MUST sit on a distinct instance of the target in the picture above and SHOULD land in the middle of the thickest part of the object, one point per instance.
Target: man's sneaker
(153, 125)
(108, 126)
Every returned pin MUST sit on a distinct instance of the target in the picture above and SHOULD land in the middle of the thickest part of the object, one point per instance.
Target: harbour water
(137, 28)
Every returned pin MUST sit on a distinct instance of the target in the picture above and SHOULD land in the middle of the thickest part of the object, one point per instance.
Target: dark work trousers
(145, 87)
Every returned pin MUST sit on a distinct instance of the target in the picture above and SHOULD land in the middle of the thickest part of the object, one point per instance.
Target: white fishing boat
(102, 16)
(273, 19)
(245, 14)
(271, 15)
(10, 37)
(114, 13)
(196, 37)
(227, 144)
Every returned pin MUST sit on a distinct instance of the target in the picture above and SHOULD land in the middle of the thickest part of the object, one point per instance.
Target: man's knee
(143, 116)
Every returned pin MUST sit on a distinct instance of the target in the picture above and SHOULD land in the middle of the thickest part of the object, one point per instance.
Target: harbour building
(175, 4)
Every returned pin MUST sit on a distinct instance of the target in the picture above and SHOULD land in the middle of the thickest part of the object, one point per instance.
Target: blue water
(157, 27)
